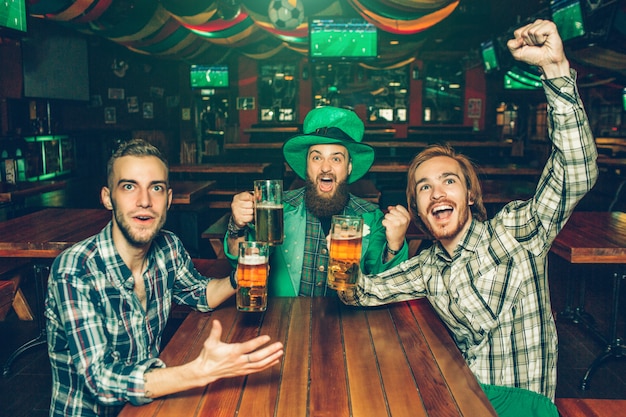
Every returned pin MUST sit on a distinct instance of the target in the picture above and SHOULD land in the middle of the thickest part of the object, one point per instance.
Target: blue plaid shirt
(100, 340)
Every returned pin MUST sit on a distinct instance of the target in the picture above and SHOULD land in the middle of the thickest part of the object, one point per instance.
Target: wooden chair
(11, 294)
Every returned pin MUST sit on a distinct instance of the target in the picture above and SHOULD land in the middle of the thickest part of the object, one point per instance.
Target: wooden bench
(215, 233)
(587, 407)
(11, 294)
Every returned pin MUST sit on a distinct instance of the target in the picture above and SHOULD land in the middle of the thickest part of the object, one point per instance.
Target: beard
(325, 206)
(135, 238)
(450, 231)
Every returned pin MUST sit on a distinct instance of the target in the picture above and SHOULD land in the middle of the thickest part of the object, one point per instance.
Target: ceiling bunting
(404, 27)
(192, 12)
(94, 12)
(262, 52)
(158, 20)
(390, 10)
(166, 37)
(47, 8)
(225, 32)
(126, 19)
(197, 47)
(71, 12)
(430, 5)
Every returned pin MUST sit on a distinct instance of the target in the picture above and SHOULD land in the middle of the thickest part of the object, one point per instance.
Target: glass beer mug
(252, 271)
(346, 234)
(268, 211)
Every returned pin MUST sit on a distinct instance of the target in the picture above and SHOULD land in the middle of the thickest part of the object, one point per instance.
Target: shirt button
(321, 268)
(319, 284)
(324, 251)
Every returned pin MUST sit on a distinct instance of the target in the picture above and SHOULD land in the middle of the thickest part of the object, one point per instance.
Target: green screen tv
(208, 76)
(13, 15)
(341, 38)
(568, 18)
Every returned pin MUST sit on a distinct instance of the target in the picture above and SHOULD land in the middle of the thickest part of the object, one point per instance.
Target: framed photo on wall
(110, 115)
(148, 110)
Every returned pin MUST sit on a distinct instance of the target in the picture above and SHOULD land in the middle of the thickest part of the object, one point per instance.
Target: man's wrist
(392, 251)
(235, 231)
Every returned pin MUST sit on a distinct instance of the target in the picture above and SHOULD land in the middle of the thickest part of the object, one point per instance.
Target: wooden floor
(26, 390)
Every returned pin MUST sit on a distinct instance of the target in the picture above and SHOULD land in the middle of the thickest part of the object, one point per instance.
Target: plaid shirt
(493, 293)
(100, 340)
(315, 259)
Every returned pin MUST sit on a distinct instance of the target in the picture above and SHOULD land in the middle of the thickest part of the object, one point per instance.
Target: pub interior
(219, 85)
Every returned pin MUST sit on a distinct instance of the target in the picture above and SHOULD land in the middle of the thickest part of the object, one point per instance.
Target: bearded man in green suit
(328, 155)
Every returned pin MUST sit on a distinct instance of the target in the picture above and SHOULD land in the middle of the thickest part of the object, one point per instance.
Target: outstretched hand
(539, 44)
(221, 360)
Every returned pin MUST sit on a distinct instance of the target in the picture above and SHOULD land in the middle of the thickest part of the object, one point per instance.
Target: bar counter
(339, 361)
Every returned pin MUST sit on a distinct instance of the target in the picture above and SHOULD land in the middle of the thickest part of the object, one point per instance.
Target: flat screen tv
(490, 56)
(568, 17)
(55, 63)
(208, 76)
(518, 78)
(13, 16)
(342, 38)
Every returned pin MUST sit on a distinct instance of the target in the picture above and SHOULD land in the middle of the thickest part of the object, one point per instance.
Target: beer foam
(253, 260)
(269, 205)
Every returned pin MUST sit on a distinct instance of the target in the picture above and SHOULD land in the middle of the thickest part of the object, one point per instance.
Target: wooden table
(18, 192)
(594, 238)
(588, 407)
(45, 234)
(339, 361)
(186, 192)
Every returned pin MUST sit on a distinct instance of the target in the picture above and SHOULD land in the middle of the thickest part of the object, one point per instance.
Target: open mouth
(442, 212)
(326, 184)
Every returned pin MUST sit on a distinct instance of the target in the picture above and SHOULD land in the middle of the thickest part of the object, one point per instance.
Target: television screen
(568, 17)
(13, 15)
(522, 79)
(55, 63)
(208, 76)
(342, 38)
(490, 57)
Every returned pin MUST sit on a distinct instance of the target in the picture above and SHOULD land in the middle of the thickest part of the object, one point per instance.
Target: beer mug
(346, 234)
(268, 211)
(252, 270)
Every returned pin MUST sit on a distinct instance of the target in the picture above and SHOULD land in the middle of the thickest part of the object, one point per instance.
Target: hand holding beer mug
(252, 270)
(346, 234)
(268, 211)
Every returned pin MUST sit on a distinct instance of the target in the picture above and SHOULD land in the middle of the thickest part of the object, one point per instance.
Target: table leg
(40, 273)
(615, 347)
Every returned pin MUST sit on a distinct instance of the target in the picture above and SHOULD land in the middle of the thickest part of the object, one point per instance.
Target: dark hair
(134, 147)
(469, 172)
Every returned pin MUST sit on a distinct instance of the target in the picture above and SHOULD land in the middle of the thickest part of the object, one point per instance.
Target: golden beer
(269, 223)
(252, 283)
(343, 263)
